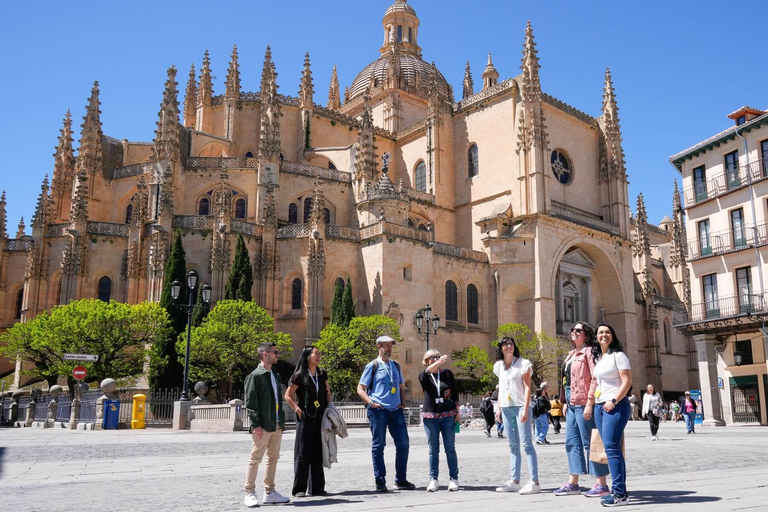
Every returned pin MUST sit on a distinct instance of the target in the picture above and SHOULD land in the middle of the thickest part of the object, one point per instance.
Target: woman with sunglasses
(440, 417)
(580, 385)
(514, 374)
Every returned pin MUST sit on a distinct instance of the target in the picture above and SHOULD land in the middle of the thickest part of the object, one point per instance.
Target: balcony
(725, 314)
(725, 182)
(210, 163)
(565, 213)
(727, 241)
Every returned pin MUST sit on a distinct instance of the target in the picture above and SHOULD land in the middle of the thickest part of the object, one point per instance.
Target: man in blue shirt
(383, 393)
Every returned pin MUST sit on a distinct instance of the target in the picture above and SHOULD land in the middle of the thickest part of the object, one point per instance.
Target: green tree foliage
(166, 371)
(118, 333)
(541, 350)
(224, 348)
(346, 350)
(347, 305)
(240, 279)
(338, 292)
(474, 367)
(201, 309)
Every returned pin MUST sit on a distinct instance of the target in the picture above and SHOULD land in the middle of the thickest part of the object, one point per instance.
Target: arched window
(249, 155)
(667, 338)
(204, 208)
(293, 213)
(327, 215)
(282, 157)
(340, 282)
(473, 169)
(410, 223)
(240, 208)
(58, 292)
(19, 303)
(423, 227)
(451, 301)
(331, 165)
(421, 177)
(472, 305)
(561, 167)
(105, 288)
(296, 294)
(128, 213)
(308, 208)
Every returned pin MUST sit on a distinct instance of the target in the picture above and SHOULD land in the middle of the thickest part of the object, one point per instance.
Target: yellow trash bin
(139, 406)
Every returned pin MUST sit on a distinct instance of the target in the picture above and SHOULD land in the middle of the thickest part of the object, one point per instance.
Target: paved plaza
(158, 469)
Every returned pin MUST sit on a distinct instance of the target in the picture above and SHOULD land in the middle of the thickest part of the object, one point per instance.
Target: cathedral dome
(415, 72)
(400, 6)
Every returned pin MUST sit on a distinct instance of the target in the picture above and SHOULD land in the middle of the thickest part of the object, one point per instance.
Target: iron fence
(715, 309)
(746, 403)
(88, 406)
(158, 409)
(65, 408)
(41, 410)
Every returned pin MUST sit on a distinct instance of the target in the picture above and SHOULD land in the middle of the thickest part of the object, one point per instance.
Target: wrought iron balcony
(724, 314)
(731, 179)
(729, 240)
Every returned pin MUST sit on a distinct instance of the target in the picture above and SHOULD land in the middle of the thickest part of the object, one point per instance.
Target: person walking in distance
(382, 388)
(486, 408)
(688, 408)
(652, 410)
(265, 410)
(555, 412)
(496, 410)
(541, 409)
(308, 394)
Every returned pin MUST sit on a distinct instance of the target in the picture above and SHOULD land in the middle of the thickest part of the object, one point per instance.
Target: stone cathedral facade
(504, 205)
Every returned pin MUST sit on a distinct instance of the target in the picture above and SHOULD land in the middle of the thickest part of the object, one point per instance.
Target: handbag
(597, 449)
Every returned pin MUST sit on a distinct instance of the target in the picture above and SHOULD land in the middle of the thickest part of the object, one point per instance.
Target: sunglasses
(276, 352)
(577, 330)
(507, 344)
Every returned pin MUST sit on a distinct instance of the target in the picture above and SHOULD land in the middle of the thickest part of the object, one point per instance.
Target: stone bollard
(74, 415)
(34, 397)
(201, 390)
(14, 410)
(236, 414)
(109, 387)
(53, 405)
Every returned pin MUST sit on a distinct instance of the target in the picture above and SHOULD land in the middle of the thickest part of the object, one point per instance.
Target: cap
(384, 339)
(687, 392)
(543, 385)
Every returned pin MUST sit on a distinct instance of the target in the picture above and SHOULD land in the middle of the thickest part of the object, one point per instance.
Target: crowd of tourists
(593, 399)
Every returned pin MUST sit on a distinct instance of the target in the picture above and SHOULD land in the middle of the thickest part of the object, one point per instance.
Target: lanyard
(389, 372)
(316, 381)
(436, 382)
(509, 381)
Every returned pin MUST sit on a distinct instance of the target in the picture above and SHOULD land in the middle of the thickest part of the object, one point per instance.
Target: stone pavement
(57, 470)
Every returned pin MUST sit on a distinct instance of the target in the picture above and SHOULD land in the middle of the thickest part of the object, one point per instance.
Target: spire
(269, 210)
(531, 87)
(205, 91)
(365, 159)
(267, 70)
(490, 75)
(642, 242)
(63, 169)
(394, 71)
(469, 85)
(79, 210)
(3, 217)
(20, 230)
(190, 100)
(269, 142)
(532, 130)
(40, 219)
(613, 165)
(167, 145)
(140, 204)
(334, 92)
(306, 89)
(233, 78)
(89, 158)
(678, 230)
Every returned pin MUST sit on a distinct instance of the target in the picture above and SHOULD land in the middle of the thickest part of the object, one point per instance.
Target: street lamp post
(433, 323)
(190, 306)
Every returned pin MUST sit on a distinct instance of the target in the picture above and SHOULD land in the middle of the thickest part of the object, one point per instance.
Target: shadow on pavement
(666, 497)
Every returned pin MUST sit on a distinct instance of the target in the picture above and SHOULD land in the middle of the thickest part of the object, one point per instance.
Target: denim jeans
(578, 435)
(447, 428)
(381, 419)
(690, 418)
(611, 426)
(542, 427)
(517, 433)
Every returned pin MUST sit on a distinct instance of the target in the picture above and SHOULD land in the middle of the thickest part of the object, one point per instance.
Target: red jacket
(583, 383)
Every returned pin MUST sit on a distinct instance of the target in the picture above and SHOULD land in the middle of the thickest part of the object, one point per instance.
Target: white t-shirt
(511, 389)
(607, 374)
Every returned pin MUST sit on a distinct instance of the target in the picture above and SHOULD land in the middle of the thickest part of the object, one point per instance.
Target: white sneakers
(453, 485)
(274, 498)
(509, 486)
(251, 500)
(432, 487)
(531, 488)
(654, 438)
(512, 486)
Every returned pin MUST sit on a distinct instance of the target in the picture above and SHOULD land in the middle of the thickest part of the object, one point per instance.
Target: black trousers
(308, 456)
(653, 421)
(556, 423)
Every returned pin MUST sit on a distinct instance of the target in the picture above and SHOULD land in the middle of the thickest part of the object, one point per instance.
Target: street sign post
(93, 358)
(79, 372)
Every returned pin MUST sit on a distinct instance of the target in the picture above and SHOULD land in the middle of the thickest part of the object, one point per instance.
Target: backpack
(538, 408)
(486, 406)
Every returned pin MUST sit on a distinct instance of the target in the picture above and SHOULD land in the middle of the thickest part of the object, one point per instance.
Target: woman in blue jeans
(614, 378)
(440, 417)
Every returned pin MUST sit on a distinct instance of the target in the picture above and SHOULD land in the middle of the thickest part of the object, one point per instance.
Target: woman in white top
(614, 378)
(514, 374)
(652, 410)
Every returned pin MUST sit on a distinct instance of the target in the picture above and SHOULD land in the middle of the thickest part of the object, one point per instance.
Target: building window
(410, 34)
(700, 183)
(128, 213)
(340, 283)
(473, 167)
(705, 247)
(407, 272)
(240, 208)
(744, 287)
(296, 294)
(58, 292)
(19, 303)
(737, 225)
(745, 347)
(451, 301)
(293, 213)
(472, 305)
(764, 156)
(327, 215)
(561, 167)
(249, 155)
(732, 170)
(410, 223)
(399, 33)
(308, 208)
(421, 177)
(331, 165)
(204, 208)
(711, 306)
(423, 227)
(667, 338)
(105, 288)
(741, 120)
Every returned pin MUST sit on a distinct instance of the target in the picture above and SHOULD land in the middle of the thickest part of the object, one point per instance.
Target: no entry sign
(79, 372)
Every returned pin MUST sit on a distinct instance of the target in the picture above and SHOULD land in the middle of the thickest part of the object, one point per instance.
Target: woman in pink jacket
(579, 395)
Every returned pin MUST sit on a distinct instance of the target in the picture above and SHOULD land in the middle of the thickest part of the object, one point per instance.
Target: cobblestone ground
(51, 470)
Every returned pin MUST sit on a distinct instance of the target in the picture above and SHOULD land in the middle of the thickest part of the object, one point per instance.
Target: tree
(544, 352)
(473, 364)
(336, 313)
(347, 305)
(346, 350)
(201, 310)
(240, 278)
(117, 332)
(224, 348)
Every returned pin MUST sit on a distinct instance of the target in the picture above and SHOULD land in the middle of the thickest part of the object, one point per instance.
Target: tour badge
(394, 390)
(317, 404)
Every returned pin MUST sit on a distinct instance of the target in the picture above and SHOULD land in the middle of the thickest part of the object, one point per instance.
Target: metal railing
(720, 308)
(728, 240)
(731, 178)
(223, 162)
(583, 219)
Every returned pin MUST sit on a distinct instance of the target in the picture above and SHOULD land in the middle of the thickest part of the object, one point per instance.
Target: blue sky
(678, 67)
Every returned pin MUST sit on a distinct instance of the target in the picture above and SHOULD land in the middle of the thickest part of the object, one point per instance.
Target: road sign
(81, 357)
(79, 372)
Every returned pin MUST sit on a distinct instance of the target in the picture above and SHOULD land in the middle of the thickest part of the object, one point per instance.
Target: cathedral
(503, 204)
